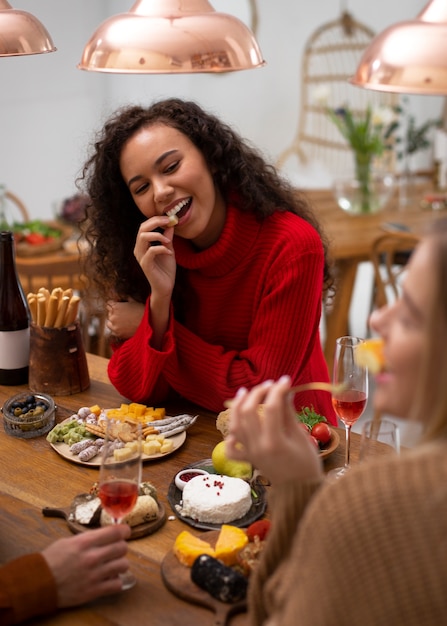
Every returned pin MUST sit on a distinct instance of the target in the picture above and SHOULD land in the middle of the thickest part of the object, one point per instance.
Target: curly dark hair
(113, 219)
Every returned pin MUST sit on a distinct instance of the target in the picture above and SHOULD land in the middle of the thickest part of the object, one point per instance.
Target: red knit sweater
(244, 310)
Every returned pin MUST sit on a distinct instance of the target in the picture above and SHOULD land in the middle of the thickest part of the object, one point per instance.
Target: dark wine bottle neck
(14, 311)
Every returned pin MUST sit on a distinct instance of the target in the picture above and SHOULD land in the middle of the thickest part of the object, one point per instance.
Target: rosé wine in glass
(350, 402)
(349, 405)
(118, 497)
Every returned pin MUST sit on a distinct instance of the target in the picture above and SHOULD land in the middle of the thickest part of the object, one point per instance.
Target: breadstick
(72, 310)
(63, 305)
(44, 291)
(32, 303)
(52, 308)
(41, 309)
(58, 292)
(67, 292)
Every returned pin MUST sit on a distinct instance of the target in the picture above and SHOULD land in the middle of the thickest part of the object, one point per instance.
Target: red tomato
(315, 442)
(321, 432)
(35, 239)
(258, 529)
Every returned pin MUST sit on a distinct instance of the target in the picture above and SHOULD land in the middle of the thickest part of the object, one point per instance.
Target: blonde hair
(431, 397)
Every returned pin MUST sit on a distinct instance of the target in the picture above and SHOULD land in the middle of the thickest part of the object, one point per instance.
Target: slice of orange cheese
(231, 540)
(369, 354)
(187, 548)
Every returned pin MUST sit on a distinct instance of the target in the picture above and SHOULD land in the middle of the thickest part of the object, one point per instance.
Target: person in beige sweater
(386, 561)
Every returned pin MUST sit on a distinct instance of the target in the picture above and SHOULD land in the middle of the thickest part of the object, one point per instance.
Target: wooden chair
(389, 254)
(50, 271)
(55, 270)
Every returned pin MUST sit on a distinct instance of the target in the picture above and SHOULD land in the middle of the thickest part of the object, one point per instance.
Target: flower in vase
(369, 133)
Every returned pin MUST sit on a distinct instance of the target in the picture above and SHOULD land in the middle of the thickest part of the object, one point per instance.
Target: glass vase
(368, 192)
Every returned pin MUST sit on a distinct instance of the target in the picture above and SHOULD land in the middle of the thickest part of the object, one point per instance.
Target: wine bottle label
(14, 349)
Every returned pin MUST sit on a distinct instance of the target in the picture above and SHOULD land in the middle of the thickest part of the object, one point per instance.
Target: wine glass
(119, 482)
(349, 402)
(380, 436)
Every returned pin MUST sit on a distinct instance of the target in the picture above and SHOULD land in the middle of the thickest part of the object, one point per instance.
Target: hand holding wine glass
(350, 402)
(119, 482)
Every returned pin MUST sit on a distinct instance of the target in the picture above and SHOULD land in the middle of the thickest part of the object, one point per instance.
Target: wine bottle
(14, 318)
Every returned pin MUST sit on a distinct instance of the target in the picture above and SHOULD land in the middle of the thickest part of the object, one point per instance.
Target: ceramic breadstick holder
(57, 362)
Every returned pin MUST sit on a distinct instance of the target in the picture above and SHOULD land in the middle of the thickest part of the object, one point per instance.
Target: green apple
(223, 465)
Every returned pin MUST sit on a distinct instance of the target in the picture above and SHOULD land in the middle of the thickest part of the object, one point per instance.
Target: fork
(306, 387)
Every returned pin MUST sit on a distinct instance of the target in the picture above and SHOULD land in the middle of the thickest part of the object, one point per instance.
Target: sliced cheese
(187, 548)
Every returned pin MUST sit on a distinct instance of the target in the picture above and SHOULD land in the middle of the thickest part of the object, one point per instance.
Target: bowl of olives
(28, 415)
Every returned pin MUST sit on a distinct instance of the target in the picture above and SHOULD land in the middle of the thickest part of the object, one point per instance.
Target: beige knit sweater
(369, 549)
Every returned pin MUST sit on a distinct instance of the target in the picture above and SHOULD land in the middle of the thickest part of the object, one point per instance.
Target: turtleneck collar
(238, 236)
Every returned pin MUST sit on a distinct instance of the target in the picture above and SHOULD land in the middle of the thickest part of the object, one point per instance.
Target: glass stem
(348, 444)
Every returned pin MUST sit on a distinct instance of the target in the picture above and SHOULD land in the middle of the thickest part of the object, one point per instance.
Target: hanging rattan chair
(330, 58)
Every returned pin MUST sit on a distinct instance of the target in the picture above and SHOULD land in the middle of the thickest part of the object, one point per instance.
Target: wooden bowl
(333, 444)
(26, 249)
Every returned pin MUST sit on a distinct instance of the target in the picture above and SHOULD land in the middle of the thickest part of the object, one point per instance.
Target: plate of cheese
(80, 437)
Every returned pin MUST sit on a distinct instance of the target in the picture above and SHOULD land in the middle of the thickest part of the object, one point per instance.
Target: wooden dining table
(350, 243)
(33, 476)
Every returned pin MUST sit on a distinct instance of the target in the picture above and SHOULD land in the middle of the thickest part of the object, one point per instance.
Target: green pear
(223, 465)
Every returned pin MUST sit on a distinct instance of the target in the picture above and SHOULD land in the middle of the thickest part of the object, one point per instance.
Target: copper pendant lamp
(409, 57)
(171, 36)
(22, 33)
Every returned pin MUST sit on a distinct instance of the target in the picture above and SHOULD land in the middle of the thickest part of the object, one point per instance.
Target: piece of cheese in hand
(173, 220)
(369, 354)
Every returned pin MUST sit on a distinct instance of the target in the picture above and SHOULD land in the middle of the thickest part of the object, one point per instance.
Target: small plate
(64, 450)
(257, 510)
(333, 444)
(67, 513)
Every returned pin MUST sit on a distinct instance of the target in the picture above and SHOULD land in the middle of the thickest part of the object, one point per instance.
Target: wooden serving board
(148, 528)
(177, 578)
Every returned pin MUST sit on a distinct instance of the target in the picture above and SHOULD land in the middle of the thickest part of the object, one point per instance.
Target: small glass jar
(27, 424)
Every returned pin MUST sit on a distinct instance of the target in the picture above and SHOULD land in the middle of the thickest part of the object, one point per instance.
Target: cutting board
(148, 528)
(177, 578)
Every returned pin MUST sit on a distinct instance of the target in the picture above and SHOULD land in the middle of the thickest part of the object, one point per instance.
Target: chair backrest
(61, 271)
(330, 58)
(389, 255)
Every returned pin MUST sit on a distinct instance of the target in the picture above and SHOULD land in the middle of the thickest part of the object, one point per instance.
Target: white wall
(49, 109)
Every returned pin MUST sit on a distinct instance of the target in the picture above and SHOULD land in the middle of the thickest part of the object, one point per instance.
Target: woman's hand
(123, 318)
(157, 261)
(273, 442)
(88, 565)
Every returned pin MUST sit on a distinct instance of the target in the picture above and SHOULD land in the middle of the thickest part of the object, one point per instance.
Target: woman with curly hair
(212, 266)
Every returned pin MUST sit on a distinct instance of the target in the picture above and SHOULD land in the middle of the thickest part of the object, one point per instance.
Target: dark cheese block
(220, 581)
